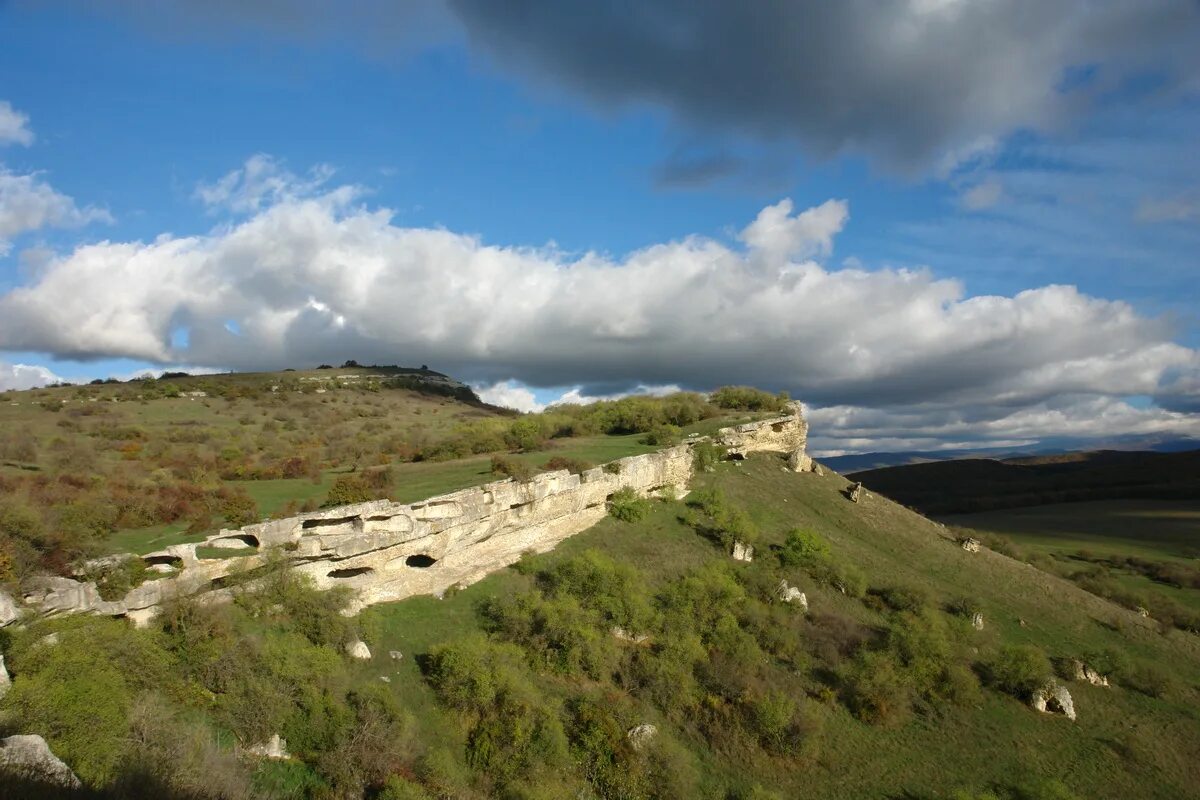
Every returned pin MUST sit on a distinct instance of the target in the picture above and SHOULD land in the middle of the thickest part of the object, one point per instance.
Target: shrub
(905, 598)
(572, 465)
(747, 398)
(513, 468)
(710, 501)
(347, 490)
(705, 456)
(663, 436)
(875, 689)
(627, 506)
(804, 549)
(1019, 670)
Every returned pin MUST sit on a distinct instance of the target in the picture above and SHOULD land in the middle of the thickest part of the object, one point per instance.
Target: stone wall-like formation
(388, 551)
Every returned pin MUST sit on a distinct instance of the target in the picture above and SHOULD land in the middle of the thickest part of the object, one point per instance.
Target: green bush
(627, 506)
(875, 689)
(747, 398)
(513, 468)
(804, 549)
(347, 490)
(663, 436)
(706, 456)
(905, 598)
(573, 465)
(1019, 670)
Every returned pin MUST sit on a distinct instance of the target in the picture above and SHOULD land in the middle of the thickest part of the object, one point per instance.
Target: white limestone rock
(1053, 698)
(970, 544)
(1082, 672)
(9, 610)
(641, 735)
(791, 594)
(274, 748)
(5, 679)
(30, 757)
(358, 649)
(395, 655)
(637, 638)
(743, 551)
(977, 621)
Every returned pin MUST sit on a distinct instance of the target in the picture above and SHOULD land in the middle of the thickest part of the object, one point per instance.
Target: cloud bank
(320, 277)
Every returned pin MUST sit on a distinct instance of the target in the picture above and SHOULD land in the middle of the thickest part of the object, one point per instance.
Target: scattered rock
(743, 551)
(817, 470)
(9, 610)
(5, 680)
(1143, 612)
(637, 638)
(1053, 698)
(275, 748)
(1022, 622)
(385, 679)
(790, 594)
(358, 649)
(977, 621)
(970, 544)
(856, 493)
(395, 655)
(30, 757)
(641, 735)
(1082, 672)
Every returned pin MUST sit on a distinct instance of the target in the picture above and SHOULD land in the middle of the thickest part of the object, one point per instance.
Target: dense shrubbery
(627, 505)
(747, 398)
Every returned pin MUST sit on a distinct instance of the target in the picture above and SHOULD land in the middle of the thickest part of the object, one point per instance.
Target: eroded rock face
(385, 551)
(785, 434)
(1053, 698)
(30, 757)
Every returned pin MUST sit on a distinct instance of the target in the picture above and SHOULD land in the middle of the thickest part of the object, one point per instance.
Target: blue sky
(562, 205)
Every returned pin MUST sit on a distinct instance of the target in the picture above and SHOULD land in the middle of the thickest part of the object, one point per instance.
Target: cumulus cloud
(24, 376)
(320, 278)
(14, 126)
(262, 181)
(27, 203)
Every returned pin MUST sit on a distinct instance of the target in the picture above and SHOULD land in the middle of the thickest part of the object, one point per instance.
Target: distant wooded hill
(978, 484)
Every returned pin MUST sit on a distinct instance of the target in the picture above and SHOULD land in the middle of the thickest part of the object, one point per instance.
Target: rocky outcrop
(9, 610)
(743, 551)
(274, 748)
(1053, 698)
(641, 735)
(625, 636)
(1082, 672)
(30, 757)
(970, 544)
(977, 620)
(385, 551)
(791, 594)
(5, 679)
(785, 434)
(855, 493)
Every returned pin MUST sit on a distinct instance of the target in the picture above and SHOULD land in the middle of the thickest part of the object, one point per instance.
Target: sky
(938, 223)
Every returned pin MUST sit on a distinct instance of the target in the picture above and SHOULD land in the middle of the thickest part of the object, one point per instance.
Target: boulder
(9, 610)
(790, 594)
(1080, 671)
(1053, 698)
(637, 638)
(977, 621)
(641, 735)
(1143, 612)
(395, 655)
(274, 748)
(970, 544)
(5, 680)
(743, 551)
(817, 470)
(358, 649)
(30, 757)
(856, 493)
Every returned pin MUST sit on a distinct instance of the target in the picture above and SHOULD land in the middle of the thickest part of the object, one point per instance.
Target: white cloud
(509, 394)
(24, 376)
(262, 181)
(28, 203)
(1174, 209)
(14, 126)
(312, 279)
(982, 196)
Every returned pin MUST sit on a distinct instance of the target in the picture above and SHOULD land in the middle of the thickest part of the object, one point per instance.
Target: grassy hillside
(970, 485)
(517, 687)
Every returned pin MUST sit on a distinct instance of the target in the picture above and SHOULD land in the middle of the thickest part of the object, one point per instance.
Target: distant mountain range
(858, 462)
